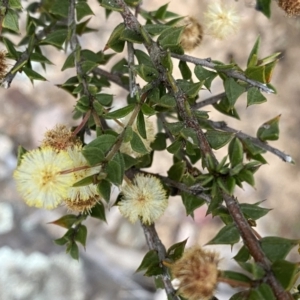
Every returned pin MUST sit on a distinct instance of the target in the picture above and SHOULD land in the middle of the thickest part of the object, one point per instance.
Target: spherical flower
(291, 7)
(144, 199)
(197, 273)
(60, 138)
(39, 179)
(221, 21)
(81, 198)
(192, 34)
(126, 147)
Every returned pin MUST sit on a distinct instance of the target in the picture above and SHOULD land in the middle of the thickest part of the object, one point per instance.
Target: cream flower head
(39, 180)
(126, 147)
(220, 20)
(197, 272)
(81, 198)
(145, 198)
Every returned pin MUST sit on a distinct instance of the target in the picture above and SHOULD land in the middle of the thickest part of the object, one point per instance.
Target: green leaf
(175, 128)
(233, 90)
(56, 38)
(10, 47)
(247, 176)
(85, 181)
(61, 241)
(253, 211)
(11, 20)
(256, 73)
(175, 147)
(253, 268)
(242, 255)
(189, 88)
(269, 130)
(104, 99)
(114, 42)
(191, 202)
(150, 259)
(254, 96)
(140, 124)
(111, 5)
(235, 151)
(205, 75)
(120, 113)
(98, 212)
(228, 235)
(32, 74)
(81, 235)
(227, 184)
(263, 292)
(177, 170)
(225, 108)
(235, 276)
(82, 10)
(161, 12)
(103, 142)
(60, 8)
(170, 37)
(93, 155)
(128, 161)
(104, 189)
(155, 29)
(252, 59)
(66, 221)
(285, 272)
(185, 70)
(160, 143)
(143, 58)
(276, 248)
(176, 250)
(167, 101)
(115, 169)
(15, 4)
(40, 58)
(218, 139)
(137, 144)
(131, 36)
(146, 72)
(88, 66)
(73, 250)
(264, 6)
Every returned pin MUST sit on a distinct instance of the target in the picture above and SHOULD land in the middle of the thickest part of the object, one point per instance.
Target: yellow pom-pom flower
(144, 199)
(192, 34)
(220, 20)
(291, 7)
(81, 198)
(197, 273)
(39, 179)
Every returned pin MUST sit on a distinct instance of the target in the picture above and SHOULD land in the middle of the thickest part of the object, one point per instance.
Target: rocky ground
(33, 268)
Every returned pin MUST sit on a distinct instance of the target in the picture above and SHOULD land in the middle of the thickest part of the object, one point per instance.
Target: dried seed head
(81, 206)
(291, 7)
(3, 64)
(197, 273)
(192, 34)
(60, 138)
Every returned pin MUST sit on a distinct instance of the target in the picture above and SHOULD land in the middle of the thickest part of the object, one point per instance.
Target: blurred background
(32, 267)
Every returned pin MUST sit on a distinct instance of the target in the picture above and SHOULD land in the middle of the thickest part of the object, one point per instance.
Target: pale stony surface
(114, 250)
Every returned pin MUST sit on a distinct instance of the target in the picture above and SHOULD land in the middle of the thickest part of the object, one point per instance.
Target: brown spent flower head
(197, 273)
(291, 7)
(192, 34)
(82, 206)
(60, 138)
(3, 64)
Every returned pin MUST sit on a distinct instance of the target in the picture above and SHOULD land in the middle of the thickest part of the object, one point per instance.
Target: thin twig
(209, 101)
(255, 141)
(231, 73)
(111, 77)
(186, 113)
(154, 243)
